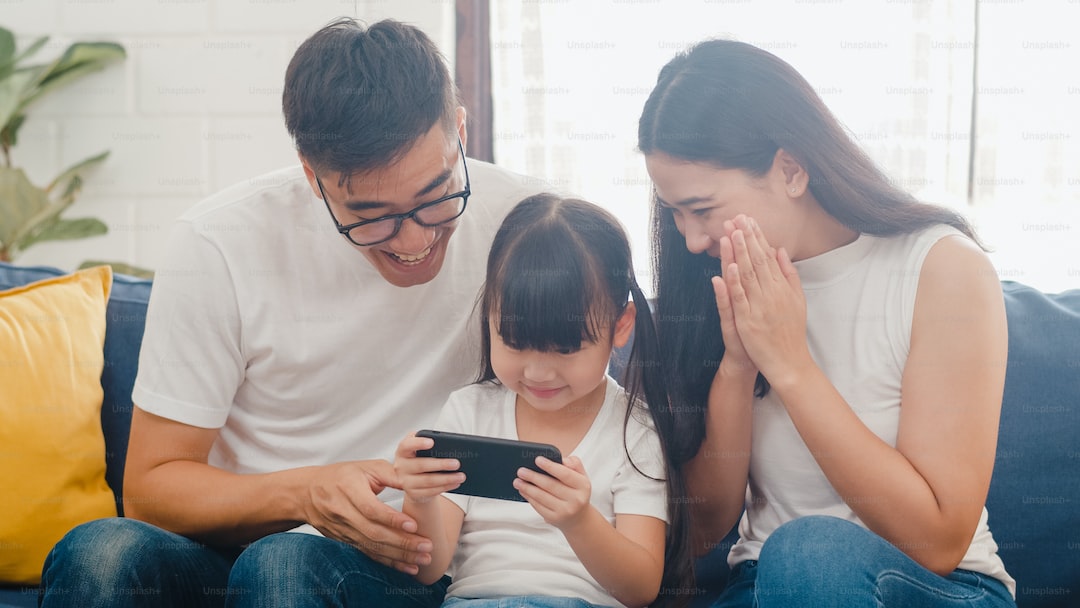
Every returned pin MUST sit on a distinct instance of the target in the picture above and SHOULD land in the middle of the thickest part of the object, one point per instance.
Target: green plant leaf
(20, 203)
(67, 183)
(7, 48)
(14, 90)
(34, 47)
(9, 134)
(79, 53)
(13, 61)
(29, 214)
(45, 221)
(80, 59)
(64, 230)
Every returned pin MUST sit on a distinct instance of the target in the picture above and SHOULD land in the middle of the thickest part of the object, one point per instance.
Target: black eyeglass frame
(399, 218)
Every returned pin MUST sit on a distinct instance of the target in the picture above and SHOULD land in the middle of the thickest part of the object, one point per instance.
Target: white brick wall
(196, 105)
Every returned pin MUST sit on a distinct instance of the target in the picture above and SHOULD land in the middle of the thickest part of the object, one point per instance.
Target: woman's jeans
(126, 562)
(827, 562)
(520, 601)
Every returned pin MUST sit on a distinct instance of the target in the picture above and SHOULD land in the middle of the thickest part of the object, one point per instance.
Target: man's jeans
(125, 562)
(828, 562)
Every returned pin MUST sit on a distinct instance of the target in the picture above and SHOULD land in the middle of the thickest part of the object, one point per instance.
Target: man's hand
(343, 505)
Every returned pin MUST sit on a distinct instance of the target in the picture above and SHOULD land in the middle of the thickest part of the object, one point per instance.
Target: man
(288, 350)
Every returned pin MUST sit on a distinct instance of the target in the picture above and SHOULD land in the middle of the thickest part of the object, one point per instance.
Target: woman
(848, 392)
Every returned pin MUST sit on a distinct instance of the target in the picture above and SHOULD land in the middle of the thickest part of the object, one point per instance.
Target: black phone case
(490, 464)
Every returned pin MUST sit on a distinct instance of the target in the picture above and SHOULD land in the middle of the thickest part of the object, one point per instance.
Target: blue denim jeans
(519, 601)
(828, 562)
(125, 562)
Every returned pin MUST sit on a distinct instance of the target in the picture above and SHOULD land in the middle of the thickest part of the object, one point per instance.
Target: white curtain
(1026, 176)
(570, 79)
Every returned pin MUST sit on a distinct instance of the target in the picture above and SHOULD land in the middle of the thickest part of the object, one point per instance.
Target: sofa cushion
(125, 320)
(1034, 500)
(52, 333)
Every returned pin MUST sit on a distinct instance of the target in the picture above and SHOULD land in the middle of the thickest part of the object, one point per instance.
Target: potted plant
(30, 214)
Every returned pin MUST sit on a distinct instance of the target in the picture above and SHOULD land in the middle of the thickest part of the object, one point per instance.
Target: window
(963, 104)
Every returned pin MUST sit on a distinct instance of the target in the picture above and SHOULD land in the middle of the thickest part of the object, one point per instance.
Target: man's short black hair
(358, 98)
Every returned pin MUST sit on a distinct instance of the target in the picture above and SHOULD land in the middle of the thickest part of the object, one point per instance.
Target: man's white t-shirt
(268, 324)
(505, 547)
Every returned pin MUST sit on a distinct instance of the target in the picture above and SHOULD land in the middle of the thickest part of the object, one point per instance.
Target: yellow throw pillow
(52, 450)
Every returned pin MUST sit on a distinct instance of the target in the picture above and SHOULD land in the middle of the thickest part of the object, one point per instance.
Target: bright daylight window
(974, 107)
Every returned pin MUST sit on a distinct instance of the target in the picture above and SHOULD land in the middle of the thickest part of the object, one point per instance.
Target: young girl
(553, 307)
(850, 361)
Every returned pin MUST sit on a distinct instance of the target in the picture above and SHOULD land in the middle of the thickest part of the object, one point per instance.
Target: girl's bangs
(546, 302)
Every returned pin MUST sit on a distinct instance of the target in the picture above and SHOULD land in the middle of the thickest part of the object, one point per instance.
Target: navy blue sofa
(1034, 502)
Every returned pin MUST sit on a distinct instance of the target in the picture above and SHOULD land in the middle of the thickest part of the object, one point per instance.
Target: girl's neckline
(597, 414)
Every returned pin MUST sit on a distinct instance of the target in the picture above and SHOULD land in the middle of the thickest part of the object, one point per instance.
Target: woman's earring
(793, 190)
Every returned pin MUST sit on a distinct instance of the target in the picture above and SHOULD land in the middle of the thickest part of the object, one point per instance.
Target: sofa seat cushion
(53, 476)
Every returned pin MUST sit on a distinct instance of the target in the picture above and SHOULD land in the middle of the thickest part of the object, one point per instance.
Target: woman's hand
(767, 303)
(562, 497)
(735, 359)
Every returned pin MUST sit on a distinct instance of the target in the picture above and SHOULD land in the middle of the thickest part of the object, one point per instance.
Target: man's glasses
(381, 229)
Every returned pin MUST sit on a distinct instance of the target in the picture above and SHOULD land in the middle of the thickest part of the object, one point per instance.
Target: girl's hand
(561, 499)
(421, 478)
(767, 303)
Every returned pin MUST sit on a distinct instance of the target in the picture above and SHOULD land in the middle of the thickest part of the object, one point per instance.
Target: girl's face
(702, 197)
(552, 381)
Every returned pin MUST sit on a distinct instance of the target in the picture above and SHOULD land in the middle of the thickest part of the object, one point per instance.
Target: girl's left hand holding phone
(560, 499)
(422, 478)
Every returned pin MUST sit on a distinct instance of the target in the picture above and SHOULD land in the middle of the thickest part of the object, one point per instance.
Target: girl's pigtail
(645, 379)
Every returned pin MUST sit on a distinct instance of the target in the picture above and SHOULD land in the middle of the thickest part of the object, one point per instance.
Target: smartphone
(490, 464)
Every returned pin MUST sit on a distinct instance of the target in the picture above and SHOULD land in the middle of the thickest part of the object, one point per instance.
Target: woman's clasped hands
(761, 304)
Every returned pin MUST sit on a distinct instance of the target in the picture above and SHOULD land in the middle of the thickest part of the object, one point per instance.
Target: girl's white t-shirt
(505, 547)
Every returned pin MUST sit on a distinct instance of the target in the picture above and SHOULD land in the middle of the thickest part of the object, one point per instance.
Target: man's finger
(394, 544)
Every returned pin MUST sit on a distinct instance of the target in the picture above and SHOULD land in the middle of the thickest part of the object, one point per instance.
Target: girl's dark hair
(732, 105)
(559, 273)
(357, 98)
